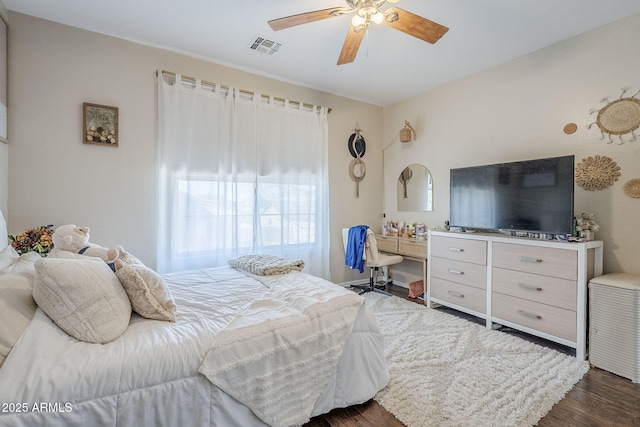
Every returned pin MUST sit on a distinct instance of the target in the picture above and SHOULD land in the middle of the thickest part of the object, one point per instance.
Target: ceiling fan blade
(305, 18)
(415, 25)
(351, 45)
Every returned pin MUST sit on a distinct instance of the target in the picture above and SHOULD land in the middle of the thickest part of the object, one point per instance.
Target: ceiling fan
(366, 12)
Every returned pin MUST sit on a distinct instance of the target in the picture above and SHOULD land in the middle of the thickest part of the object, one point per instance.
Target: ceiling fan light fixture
(358, 21)
(377, 17)
(367, 7)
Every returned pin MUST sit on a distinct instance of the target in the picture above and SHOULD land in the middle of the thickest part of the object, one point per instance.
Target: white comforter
(150, 376)
(278, 355)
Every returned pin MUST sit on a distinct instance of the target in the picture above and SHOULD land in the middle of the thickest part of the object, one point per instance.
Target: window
(238, 176)
(207, 210)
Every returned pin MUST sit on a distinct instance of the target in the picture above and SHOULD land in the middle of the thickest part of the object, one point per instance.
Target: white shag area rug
(449, 372)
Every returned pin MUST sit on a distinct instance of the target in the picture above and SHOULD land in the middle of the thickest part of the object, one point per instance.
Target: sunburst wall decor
(596, 173)
(618, 117)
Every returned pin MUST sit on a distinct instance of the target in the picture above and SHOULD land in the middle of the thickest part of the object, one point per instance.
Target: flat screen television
(532, 195)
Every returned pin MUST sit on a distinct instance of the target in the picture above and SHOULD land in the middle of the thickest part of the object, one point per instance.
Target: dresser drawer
(465, 296)
(552, 262)
(412, 248)
(467, 250)
(542, 289)
(552, 320)
(460, 272)
(387, 245)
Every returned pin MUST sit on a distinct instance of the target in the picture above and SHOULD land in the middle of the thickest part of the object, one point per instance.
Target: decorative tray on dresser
(536, 286)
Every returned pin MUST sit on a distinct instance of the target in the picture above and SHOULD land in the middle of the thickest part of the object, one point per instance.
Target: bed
(245, 350)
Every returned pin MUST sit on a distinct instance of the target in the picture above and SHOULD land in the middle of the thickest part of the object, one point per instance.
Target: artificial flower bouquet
(37, 239)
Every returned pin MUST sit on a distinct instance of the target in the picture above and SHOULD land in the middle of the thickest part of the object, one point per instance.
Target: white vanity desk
(410, 249)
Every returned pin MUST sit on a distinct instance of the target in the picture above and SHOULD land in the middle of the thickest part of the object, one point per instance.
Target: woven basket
(416, 288)
(614, 324)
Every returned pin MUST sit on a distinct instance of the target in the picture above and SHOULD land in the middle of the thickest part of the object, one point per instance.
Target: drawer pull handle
(529, 315)
(452, 271)
(529, 259)
(529, 287)
(456, 294)
(452, 249)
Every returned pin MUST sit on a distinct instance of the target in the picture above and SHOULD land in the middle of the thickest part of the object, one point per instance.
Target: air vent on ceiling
(260, 44)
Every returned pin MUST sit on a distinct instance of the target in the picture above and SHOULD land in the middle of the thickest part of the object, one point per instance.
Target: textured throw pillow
(126, 257)
(148, 292)
(16, 309)
(83, 297)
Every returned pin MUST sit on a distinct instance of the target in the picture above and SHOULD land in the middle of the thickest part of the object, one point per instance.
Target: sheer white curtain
(239, 176)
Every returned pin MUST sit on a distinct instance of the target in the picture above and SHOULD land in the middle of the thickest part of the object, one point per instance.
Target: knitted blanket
(266, 265)
(278, 355)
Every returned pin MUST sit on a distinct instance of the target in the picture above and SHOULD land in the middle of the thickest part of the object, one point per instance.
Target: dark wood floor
(600, 399)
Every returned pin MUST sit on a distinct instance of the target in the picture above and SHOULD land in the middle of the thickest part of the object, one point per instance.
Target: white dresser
(536, 286)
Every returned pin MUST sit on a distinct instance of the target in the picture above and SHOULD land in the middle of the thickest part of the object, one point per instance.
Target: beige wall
(512, 112)
(54, 178)
(517, 111)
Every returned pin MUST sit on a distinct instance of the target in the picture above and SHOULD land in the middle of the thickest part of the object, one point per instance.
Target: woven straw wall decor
(357, 171)
(618, 117)
(632, 188)
(596, 173)
(570, 128)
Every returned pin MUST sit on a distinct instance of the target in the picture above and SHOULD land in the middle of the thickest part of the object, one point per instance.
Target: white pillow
(16, 309)
(4, 235)
(8, 256)
(26, 263)
(83, 297)
(148, 292)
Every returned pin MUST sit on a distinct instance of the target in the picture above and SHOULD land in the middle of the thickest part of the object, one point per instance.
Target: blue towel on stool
(354, 251)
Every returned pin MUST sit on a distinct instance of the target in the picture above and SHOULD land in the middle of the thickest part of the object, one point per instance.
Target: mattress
(149, 376)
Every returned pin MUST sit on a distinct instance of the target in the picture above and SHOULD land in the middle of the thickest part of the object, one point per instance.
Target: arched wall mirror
(415, 189)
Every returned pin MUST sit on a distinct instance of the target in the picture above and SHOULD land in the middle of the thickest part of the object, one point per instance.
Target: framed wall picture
(100, 124)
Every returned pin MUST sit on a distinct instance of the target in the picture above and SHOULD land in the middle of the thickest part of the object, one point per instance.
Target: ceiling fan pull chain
(367, 30)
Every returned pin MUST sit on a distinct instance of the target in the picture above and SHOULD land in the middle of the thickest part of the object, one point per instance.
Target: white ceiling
(390, 66)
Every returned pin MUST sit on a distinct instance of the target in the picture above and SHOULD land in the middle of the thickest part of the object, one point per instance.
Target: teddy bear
(70, 241)
(586, 226)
